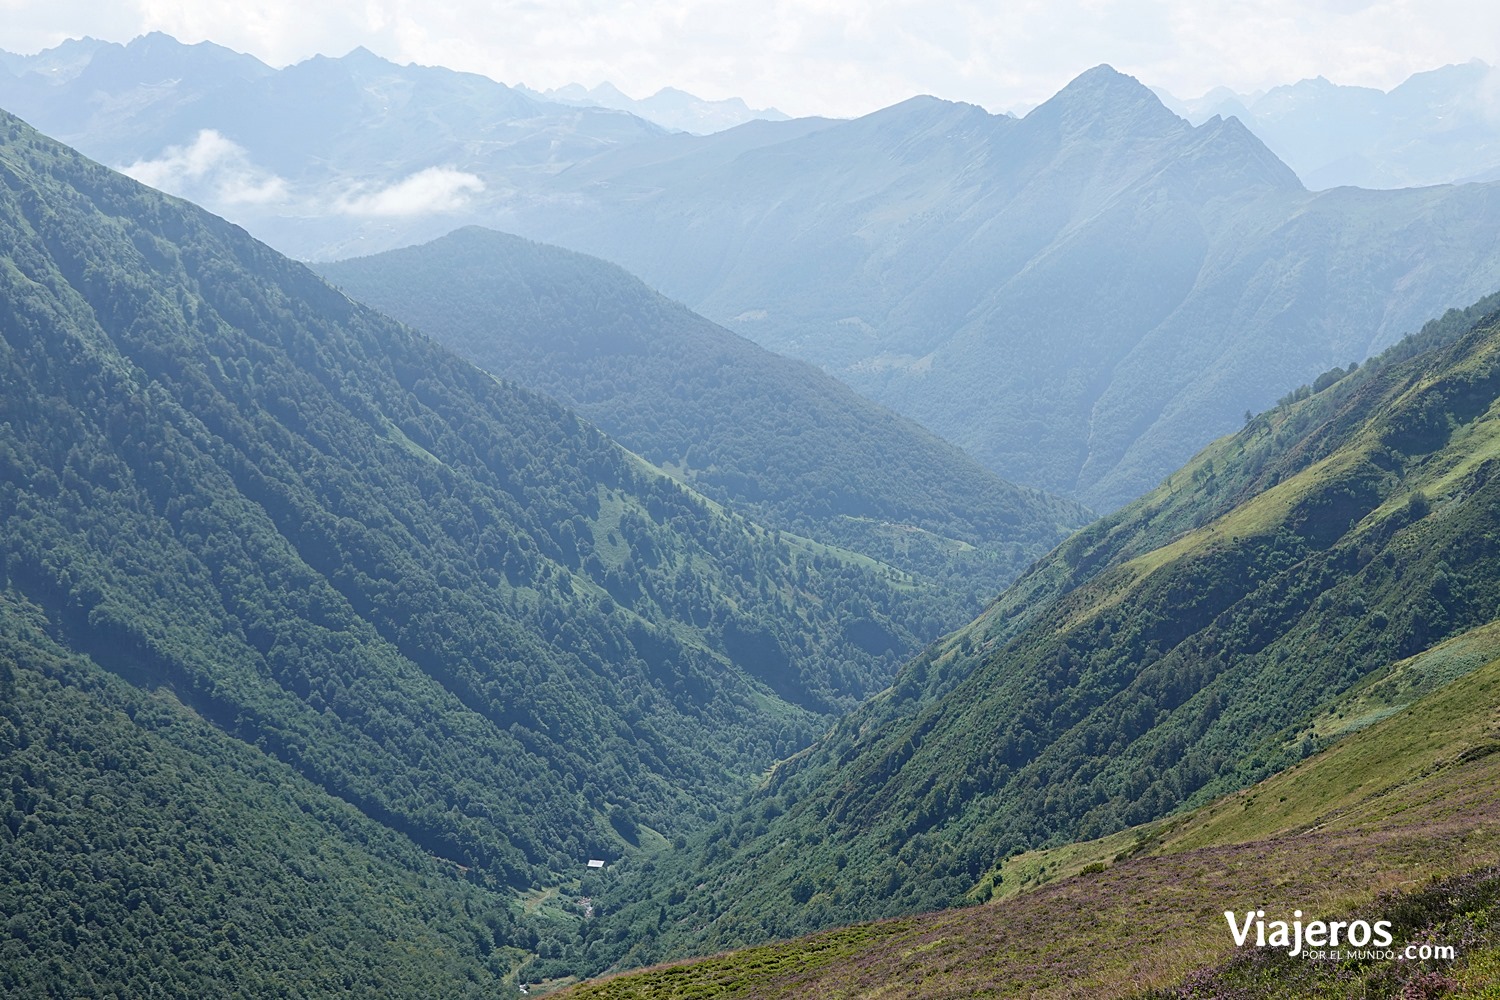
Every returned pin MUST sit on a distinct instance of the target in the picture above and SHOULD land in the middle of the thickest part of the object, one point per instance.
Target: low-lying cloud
(211, 168)
(436, 189)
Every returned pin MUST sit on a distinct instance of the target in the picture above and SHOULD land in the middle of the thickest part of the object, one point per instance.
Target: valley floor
(1415, 837)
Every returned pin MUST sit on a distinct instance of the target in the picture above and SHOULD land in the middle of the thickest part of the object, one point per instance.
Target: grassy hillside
(1398, 822)
(774, 438)
(1183, 648)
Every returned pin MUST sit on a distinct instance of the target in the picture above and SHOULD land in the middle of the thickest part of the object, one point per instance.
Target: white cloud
(212, 169)
(217, 172)
(436, 189)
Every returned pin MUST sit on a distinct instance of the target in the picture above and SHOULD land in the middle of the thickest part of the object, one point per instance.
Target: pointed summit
(361, 56)
(609, 95)
(1231, 157)
(1102, 78)
(1104, 101)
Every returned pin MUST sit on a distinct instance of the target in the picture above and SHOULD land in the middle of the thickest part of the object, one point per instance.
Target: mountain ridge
(1017, 233)
(1435, 127)
(668, 107)
(772, 437)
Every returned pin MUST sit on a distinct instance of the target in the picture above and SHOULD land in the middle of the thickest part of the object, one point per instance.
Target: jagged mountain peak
(157, 56)
(1105, 81)
(159, 44)
(1240, 153)
(1103, 97)
(1103, 76)
(155, 39)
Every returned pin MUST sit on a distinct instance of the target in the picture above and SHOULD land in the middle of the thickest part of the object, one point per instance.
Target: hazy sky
(835, 57)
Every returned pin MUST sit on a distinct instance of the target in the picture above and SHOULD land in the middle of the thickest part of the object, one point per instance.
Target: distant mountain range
(336, 149)
(1080, 299)
(669, 107)
(1439, 127)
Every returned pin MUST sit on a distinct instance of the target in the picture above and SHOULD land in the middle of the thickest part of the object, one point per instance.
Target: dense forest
(148, 854)
(776, 438)
(431, 595)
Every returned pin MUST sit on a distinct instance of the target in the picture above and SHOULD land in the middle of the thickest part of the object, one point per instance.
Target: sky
(832, 57)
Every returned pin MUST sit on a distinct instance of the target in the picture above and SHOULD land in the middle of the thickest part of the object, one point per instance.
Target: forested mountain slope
(775, 438)
(1176, 650)
(145, 853)
(433, 595)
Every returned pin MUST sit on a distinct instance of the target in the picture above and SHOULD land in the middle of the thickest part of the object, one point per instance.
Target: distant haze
(838, 57)
(1080, 298)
